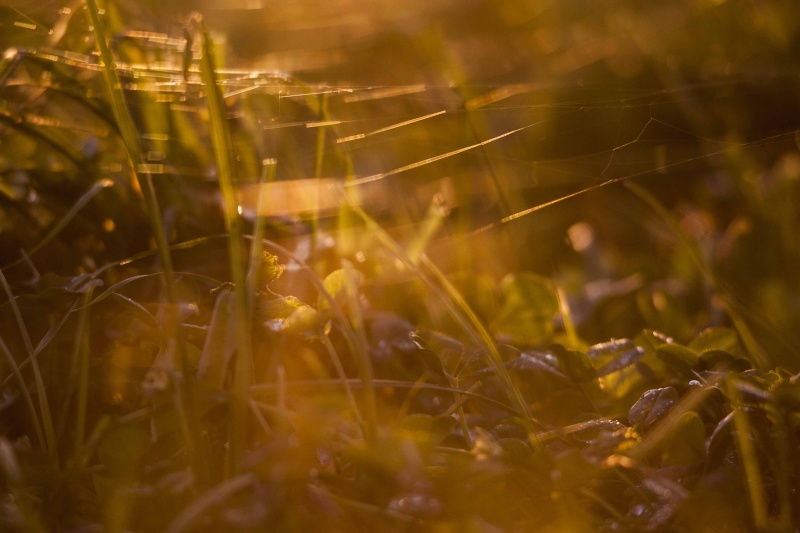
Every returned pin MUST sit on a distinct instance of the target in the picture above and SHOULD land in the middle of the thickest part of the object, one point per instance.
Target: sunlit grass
(396, 344)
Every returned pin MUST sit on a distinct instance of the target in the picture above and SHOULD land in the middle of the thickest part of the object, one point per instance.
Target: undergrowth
(231, 304)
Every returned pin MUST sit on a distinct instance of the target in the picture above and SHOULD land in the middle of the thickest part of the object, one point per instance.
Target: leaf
(574, 364)
(432, 362)
(717, 339)
(422, 427)
(685, 443)
(679, 358)
(336, 286)
(515, 450)
(304, 319)
(721, 360)
(529, 306)
(651, 407)
(271, 308)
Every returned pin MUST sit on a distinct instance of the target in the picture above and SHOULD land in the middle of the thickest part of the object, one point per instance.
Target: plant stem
(223, 149)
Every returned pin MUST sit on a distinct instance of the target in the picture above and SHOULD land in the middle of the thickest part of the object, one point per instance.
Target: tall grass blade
(220, 136)
(82, 357)
(50, 440)
(130, 138)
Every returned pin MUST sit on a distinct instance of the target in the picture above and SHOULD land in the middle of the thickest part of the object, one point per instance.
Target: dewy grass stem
(221, 140)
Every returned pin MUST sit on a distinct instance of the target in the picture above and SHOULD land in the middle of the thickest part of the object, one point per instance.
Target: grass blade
(50, 441)
(225, 168)
(61, 224)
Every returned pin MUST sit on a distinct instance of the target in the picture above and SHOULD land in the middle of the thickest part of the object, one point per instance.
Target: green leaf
(723, 360)
(422, 427)
(724, 339)
(574, 364)
(529, 306)
(651, 407)
(685, 443)
(679, 358)
(336, 286)
(515, 450)
(305, 319)
(271, 308)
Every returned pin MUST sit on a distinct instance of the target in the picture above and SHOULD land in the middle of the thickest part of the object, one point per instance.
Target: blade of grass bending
(51, 443)
(463, 314)
(130, 139)
(493, 356)
(62, 223)
(223, 151)
(216, 496)
(741, 326)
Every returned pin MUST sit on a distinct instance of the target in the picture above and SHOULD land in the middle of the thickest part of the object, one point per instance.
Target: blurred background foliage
(696, 101)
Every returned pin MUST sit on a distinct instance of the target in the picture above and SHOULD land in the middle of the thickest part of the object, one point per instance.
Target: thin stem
(223, 152)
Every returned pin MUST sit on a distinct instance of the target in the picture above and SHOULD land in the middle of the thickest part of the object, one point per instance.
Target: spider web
(439, 102)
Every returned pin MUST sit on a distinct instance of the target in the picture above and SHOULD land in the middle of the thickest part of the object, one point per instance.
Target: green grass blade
(51, 443)
(62, 223)
(26, 394)
(82, 357)
(223, 151)
(130, 138)
(216, 496)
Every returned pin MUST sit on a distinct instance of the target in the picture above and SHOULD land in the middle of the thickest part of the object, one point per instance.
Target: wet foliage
(468, 266)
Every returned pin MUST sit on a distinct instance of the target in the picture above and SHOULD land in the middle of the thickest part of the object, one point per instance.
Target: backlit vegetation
(456, 266)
